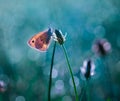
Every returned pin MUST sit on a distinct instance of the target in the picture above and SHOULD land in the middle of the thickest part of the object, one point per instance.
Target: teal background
(26, 71)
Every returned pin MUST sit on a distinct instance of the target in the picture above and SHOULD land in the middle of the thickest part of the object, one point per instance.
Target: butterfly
(41, 41)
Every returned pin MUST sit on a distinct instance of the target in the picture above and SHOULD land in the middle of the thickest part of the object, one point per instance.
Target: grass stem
(82, 93)
(87, 90)
(70, 70)
(109, 79)
(50, 77)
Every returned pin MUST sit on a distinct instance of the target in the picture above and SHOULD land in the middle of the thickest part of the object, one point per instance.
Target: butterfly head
(32, 41)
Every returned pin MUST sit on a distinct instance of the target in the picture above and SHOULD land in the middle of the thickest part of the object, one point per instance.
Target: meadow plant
(60, 38)
(3, 86)
(87, 70)
(50, 77)
(101, 48)
(41, 42)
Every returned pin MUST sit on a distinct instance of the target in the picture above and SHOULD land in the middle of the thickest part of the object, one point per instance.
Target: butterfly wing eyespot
(33, 41)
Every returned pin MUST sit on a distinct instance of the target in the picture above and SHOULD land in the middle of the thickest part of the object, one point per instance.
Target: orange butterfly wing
(41, 41)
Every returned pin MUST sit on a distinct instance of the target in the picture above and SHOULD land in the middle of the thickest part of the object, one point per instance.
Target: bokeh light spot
(4, 80)
(15, 55)
(66, 98)
(54, 73)
(76, 81)
(59, 84)
(20, 98)
(33, 55)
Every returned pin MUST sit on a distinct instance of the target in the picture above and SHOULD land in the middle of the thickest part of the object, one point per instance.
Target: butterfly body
(41, 41)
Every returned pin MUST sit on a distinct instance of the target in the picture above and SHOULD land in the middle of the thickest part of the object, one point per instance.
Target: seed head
(101, 47)
(59, 37)
(88, 68)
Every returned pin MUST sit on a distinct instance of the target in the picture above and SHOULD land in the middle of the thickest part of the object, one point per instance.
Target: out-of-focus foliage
(25, 72)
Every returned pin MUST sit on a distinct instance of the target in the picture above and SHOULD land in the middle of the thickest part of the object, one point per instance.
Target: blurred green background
(25, 71)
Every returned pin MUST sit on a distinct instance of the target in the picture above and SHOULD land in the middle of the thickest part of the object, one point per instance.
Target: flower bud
(101, 47)
(3, 86)
(59, 37)
(88, 68)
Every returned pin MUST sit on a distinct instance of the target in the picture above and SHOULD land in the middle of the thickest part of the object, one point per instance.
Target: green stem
(82, 93)
(87, 90)
(109, 79)
(50, 77)
(65, 52)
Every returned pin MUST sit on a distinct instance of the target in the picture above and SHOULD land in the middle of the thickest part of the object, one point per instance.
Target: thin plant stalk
(109, 79)
(70, 70)
(85, 89)
(82, 93)
(50, 77)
